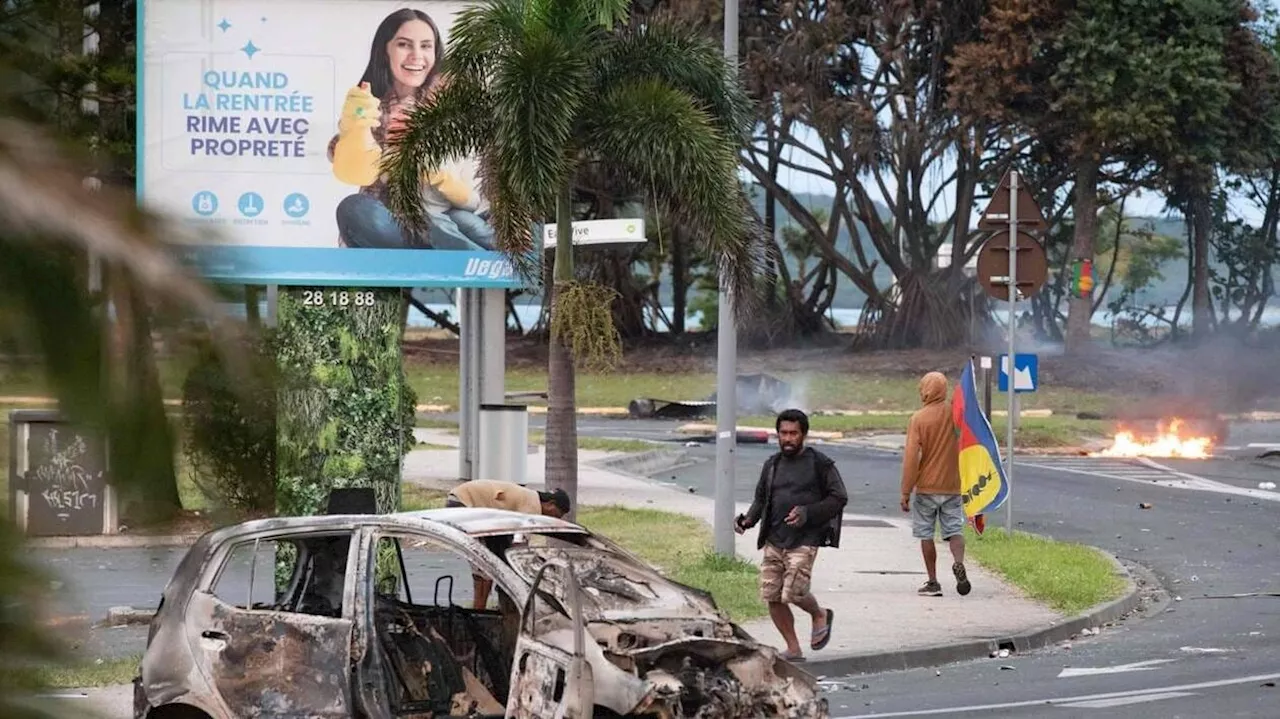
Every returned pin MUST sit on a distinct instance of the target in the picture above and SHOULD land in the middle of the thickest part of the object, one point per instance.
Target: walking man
(931, 469)
(800, 497)
(493, 494)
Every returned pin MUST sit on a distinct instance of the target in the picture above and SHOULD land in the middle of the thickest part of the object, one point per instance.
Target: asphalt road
(1205, 656)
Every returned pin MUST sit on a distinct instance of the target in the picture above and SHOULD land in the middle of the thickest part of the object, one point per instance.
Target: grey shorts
(930, 509)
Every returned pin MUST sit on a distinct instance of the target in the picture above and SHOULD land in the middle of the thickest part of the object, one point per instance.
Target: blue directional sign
(1026, 372)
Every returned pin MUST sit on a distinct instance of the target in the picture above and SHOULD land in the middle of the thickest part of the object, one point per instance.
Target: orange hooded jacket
(931, 457)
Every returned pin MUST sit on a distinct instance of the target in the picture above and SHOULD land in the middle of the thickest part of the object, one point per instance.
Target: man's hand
(737, 524)
(906, 503)
(795, 517)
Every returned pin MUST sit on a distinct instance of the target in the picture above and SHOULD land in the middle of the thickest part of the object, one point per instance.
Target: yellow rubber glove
(356, 155)
(453, 189)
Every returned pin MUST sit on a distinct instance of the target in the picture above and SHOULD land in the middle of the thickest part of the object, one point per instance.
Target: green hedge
(345, 412)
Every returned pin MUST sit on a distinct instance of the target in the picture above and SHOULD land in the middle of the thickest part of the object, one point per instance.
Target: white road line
(1059, 701)
(1123, 701)
(1118, 669)
(1149, 472)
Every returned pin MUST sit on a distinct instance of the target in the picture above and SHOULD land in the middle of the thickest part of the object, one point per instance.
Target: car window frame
(221, 556)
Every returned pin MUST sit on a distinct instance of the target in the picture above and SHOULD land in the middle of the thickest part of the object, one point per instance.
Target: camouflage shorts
(785, 573)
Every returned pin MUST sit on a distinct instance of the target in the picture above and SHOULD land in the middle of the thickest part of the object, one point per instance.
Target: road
(1204, 535)
(1203, 656)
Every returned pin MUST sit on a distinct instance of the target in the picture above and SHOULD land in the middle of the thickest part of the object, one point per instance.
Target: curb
(642, 464)
(112, 541)
(1032, 640)
(704, 429)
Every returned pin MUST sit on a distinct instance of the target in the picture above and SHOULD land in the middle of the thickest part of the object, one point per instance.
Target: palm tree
(49, 223)
(543, 90)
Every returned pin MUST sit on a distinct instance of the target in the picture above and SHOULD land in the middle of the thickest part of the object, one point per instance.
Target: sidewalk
(870, 582)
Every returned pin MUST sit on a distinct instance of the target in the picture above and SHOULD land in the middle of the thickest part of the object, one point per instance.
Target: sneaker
(930, 589)
(962, 579)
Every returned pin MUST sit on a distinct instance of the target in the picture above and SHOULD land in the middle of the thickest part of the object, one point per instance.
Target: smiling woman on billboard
(269, 133)
(403, 71)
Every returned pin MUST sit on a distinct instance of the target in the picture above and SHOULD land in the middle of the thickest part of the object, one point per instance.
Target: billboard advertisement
(263, 123)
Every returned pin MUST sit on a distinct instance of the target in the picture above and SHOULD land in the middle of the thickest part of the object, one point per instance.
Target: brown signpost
(993, 259)
(996, 216)
(993, 265)
(1003, 263)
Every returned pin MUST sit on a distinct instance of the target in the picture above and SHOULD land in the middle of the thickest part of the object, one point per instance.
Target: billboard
(263, 123)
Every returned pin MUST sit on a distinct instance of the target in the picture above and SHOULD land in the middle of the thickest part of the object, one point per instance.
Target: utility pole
(726, 361)
(1013, 323)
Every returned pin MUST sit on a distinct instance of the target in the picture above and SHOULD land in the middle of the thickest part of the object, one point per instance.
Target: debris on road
(1144, 505)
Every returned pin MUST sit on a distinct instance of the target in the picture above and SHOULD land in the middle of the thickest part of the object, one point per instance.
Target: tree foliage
(542, 91)
(1151, 88)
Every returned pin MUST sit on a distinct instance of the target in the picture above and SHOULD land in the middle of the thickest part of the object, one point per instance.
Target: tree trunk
(679, 280)
(142, 440)
(1080, 309)
(562, 428)
(1201, 219)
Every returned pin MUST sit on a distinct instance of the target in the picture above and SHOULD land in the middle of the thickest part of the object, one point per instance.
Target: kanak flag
(983, 485)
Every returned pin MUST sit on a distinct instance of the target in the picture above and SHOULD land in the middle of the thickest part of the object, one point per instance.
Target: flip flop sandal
(793, 658)
(819, 639)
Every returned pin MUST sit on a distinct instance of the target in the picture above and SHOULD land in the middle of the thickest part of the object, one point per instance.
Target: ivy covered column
(345, 408)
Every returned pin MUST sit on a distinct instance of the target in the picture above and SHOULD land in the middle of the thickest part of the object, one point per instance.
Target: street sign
(996, 216)
(599, 233)
(1026, 372)
(993, 265)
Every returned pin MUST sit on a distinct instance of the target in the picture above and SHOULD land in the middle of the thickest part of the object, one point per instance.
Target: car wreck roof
(471, 521)
(476, 521)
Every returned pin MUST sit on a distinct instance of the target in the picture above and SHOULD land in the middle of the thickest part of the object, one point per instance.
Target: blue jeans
(364, 222)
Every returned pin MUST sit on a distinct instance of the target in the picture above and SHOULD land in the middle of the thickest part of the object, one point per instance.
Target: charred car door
(278, 644)
(550, 677)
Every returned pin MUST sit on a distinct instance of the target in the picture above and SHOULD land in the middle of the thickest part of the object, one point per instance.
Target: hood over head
(933, 388)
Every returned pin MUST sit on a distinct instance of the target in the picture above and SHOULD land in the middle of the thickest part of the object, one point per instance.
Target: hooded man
(931, 469)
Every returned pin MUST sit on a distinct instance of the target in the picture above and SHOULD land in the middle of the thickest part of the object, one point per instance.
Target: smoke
(799, 396)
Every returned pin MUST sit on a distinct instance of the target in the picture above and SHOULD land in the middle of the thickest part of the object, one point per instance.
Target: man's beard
(792, 449)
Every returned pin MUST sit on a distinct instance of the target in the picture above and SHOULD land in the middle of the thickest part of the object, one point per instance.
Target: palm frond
(685, 59)
(482, 32)
(513, 223)
(538, 90)
(661, 137)
(457, 123)
(43, 203)
(49, 223)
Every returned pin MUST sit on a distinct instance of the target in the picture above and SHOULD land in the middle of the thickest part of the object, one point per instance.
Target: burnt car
(369, 616)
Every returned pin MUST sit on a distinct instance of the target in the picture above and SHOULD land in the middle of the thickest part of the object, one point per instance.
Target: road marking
(1143, 470)
(1118, 669)
(1059, 701)
(1123, 701)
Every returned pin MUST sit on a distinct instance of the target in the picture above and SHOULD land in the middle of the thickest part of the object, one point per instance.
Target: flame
(1167, 442)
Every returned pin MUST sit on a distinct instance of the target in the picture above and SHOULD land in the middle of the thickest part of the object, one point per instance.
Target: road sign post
(1023, 275)
(1013, 323)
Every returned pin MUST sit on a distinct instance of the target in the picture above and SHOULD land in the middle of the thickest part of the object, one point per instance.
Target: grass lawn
(674, 543)
(1068, 577)
(826, 390)
(80, 675)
